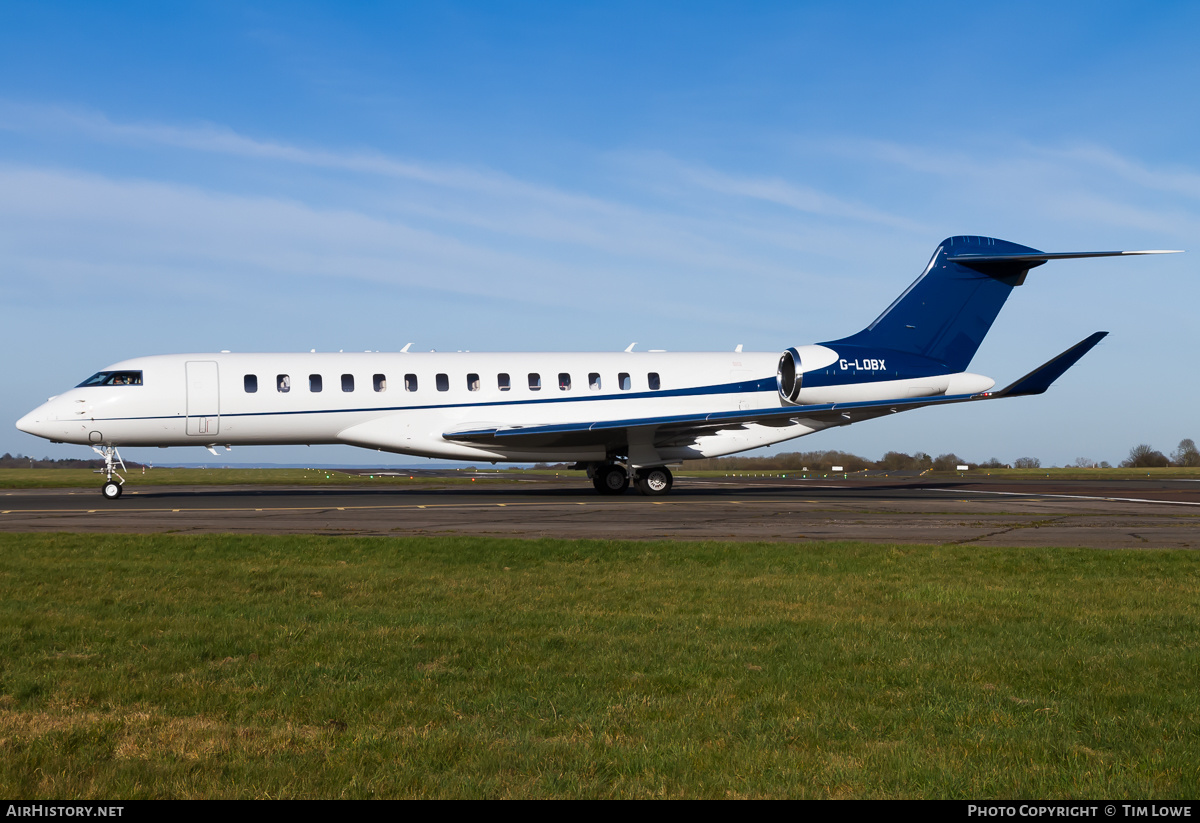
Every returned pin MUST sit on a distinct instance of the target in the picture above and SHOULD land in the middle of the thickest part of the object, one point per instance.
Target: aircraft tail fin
(947, 311)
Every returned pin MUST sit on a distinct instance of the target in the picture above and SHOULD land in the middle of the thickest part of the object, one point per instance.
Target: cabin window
(564, 381)
(113, 378)
(283, 383)
(314, 382)
(250, 382)
(380, 382)
(410, 382)
(503, 381)
(472, 382)
(347, 382)
(652, 379)
(624, 382)
(594, 381)
(535, 381)
(443, 382)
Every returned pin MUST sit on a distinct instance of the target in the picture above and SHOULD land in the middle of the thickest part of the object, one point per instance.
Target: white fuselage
(405, 402)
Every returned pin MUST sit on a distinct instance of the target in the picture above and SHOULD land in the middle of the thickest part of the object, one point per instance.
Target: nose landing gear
(111, 488)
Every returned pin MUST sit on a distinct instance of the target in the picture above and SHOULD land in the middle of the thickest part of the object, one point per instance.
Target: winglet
(1038, 380)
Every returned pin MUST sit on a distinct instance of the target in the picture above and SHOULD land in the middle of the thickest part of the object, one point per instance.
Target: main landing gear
(111, 488)
(654, 481)
(610, 478)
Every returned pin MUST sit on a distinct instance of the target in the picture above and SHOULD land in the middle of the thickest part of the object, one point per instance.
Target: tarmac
(1099, 514)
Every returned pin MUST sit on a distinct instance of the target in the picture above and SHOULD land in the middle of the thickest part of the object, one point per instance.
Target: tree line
(825, 461)
(1144, 456)
(1140, 456)
(21, 461)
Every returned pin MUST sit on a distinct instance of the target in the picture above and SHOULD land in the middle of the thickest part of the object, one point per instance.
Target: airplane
(624, 417)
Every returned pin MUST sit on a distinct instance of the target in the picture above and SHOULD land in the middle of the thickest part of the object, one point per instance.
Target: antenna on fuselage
(405, 349)
(631, 345)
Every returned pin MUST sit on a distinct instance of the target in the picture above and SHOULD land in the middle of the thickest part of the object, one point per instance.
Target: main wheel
(655, 481)
(610, 480)
(111, 490)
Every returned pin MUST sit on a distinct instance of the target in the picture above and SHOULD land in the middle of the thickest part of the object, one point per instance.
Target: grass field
(229, 666)
(86, 478)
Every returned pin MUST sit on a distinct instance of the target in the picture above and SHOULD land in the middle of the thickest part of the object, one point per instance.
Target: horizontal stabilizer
(1044, 256)
(1038, 380)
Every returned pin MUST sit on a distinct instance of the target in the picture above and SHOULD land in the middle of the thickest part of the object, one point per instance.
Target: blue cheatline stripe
(762, 385)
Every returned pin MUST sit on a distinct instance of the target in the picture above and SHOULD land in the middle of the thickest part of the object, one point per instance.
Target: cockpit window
(113, 378)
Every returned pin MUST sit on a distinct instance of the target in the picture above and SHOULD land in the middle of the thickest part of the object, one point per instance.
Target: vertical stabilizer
(946, 312)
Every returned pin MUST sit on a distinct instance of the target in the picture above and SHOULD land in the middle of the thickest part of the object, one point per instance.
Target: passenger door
(203, 398)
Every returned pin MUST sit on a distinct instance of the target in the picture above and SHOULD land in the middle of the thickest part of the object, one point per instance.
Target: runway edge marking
(1075, 497)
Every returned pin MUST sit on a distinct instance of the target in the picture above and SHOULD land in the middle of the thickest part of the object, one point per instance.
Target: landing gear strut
(111, 488)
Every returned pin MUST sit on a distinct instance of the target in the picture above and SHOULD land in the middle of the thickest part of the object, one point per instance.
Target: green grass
(85, 478)
(233, 666)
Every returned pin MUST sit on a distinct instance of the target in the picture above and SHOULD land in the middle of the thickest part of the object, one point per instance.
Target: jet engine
(789, 377)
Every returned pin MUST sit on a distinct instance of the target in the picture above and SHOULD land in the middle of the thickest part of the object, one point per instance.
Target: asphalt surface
(1091, 513)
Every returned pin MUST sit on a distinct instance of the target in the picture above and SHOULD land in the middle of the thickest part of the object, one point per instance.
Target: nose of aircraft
(36, 422)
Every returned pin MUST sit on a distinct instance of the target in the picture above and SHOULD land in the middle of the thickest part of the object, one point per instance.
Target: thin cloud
(1175, 180)
(454, 199)
(1084, 180)
(222, 140)
(793, 196)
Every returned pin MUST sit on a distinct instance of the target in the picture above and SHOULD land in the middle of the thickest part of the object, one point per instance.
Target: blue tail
(946, 312)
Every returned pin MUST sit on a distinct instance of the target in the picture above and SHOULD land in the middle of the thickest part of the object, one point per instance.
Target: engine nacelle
(789, 377)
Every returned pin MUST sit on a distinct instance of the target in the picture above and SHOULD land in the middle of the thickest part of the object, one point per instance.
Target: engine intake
(789, 377)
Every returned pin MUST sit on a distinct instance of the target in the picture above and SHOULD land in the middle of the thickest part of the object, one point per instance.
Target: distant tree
(23, 461)
(1186, 454)
(1084, 462)
(1027, 463)
(947, 462)
(791, 461)
(1144, 456)
(992, 463)
(898, 461)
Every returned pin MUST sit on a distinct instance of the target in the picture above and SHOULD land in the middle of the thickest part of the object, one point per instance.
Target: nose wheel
(113, 481)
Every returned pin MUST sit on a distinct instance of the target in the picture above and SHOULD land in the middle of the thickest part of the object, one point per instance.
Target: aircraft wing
(672, 430)
(678, 430)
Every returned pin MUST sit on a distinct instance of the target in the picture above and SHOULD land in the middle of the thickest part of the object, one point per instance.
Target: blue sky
(553, 176)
